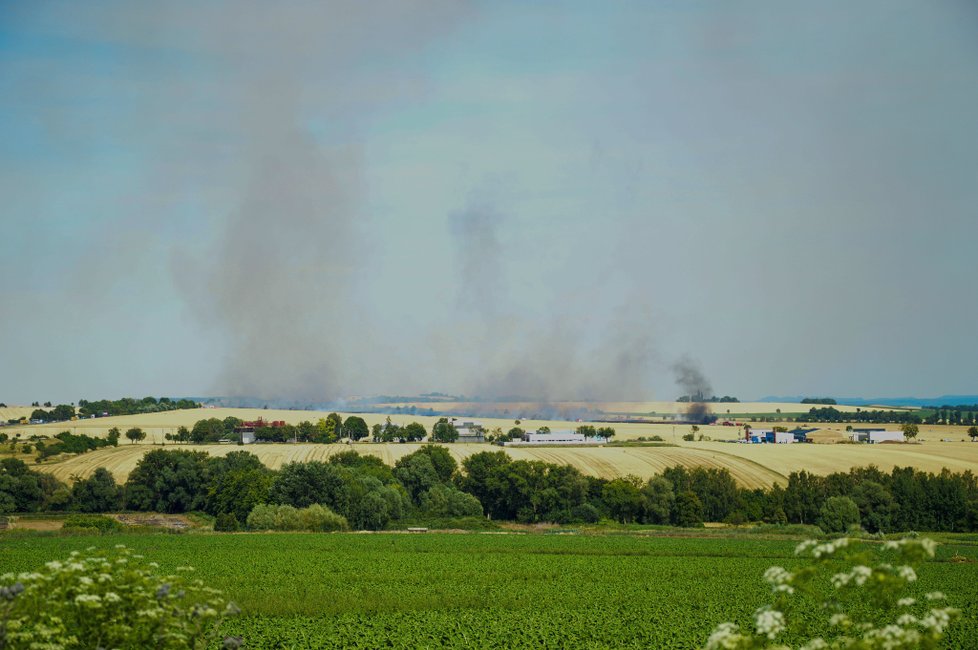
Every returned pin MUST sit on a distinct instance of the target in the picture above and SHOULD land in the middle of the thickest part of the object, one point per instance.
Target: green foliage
(910, 430)
(107, 599)
(443, 431)
(130, 406)
(22, 489)
(838, 515)
(69, 443)
(284, 517)
(414, 432)
(135, 434)
(236, 483)
(168, 481)
(355, 428)
(209, 430)
(687, 510)
(472, 590)
(445, 501)
(226, 522)
(113, 436)
(316, 518)
(97, 493)
(96, 523)
(868, 606)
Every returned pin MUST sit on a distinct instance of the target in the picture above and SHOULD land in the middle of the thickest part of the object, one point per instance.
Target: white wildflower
(935, 595)
(778, 576)
(937, 620)
(54, 565)
(724, 637)
(838, 620)
(930, 546)
(88, 600)
(815, 644)
(804, 546)
(769, 622)
(907, 573)
(907, 620)
(112, 597)
(906, 602)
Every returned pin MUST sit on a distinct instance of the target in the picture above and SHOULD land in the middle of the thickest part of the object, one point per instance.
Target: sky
(578, 200)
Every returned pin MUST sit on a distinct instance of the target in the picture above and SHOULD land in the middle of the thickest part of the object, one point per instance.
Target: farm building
(557, 438)
(247, 437)
(874, 436)
(469, 430)
(774, 437)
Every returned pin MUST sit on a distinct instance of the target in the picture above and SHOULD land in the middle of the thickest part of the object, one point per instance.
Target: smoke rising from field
(281, 281)
(690, 378)
(309, 200)
(578, 349)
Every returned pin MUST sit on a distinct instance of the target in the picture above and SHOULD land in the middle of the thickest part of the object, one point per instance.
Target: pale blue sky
(318, 200)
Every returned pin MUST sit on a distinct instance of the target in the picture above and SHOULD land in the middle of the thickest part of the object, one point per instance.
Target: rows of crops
(395, 590)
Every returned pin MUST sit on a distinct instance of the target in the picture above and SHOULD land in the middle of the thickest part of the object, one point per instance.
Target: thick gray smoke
(695, 385)
(280, 282)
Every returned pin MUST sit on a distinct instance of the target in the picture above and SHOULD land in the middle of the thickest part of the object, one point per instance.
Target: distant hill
(943, 400)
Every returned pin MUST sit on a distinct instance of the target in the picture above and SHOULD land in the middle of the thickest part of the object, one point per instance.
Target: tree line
(429, 484)
(832, 414)
(98, 408)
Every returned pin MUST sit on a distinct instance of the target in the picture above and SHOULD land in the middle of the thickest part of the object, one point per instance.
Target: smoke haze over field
(313, 200)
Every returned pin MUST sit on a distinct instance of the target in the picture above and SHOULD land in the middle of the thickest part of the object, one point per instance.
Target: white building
(874, 437)
(247, 437)
(469, 430)
(557, 438)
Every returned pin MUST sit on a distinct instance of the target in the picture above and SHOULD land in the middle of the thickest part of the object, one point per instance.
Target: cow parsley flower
(769, 622)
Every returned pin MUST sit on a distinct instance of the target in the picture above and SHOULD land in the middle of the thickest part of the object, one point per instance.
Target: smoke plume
(690, 378)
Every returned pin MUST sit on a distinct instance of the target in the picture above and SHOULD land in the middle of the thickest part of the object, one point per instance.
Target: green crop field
(480, 590)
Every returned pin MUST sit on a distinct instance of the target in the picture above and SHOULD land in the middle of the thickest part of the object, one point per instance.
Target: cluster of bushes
(365, 493)
(314, 518)
(70, 443)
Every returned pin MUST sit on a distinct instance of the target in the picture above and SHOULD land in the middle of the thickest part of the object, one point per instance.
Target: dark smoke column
(690, 378)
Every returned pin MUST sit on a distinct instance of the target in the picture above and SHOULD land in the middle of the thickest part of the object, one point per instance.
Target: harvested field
(751, 465)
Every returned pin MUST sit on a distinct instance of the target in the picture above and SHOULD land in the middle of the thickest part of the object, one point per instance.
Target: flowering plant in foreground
(108, 599)
(866, 605)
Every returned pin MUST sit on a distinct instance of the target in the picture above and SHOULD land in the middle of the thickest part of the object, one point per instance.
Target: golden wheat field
(157, 425)
(15, 412)
(751, 465)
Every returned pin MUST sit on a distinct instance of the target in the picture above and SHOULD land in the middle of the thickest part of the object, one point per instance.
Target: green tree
(838, 514)
(414, 432)
(876, 506)
(183, 434)
(687, 510)
(303, 484)
(446, 501)
(659, 498)
(624, 499)
(226, 522)
(97, 493)
(444, 431)
(113, 436)
(973, 433)
(587, 430)
(606, 432)
(355, 428)
(910, 430)
(134, 434)
(168, 481)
